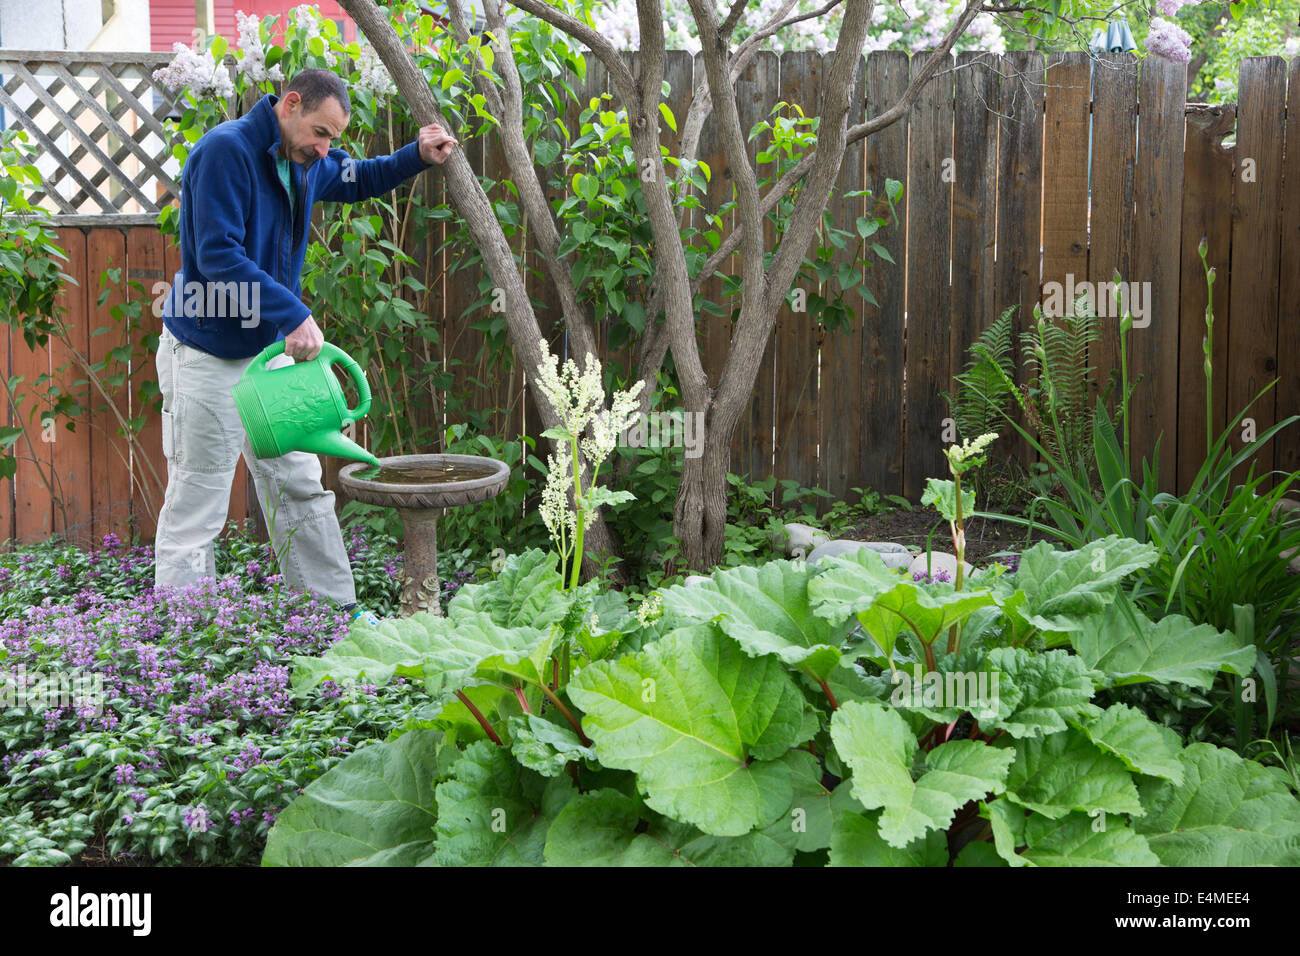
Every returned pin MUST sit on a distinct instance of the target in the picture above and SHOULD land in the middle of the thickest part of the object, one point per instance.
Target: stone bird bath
(419, 486)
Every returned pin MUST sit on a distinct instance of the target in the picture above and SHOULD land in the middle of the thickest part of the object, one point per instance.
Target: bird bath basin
(419, 486)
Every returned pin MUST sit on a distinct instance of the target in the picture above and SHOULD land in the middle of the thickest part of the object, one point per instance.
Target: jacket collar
(266, 127)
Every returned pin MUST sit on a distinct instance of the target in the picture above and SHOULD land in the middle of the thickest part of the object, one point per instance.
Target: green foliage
(754, 722)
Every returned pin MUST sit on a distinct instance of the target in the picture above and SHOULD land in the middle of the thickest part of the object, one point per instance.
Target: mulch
(984, 538)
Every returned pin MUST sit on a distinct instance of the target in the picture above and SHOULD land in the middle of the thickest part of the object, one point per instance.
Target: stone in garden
(893, 554)
(938, 561)
(799, 539)
(694, 580)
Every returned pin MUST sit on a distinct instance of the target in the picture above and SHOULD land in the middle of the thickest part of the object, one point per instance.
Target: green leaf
(528, 591)
(1062, 587)
(879, 747)
(1037, 693)
(1144, 746)
(856, 841)
(700, 724)
(1080, 840)
(493, 812)
(1174, 650)
(544, 746)
(1226, 812)
(1066, 771)
(668, 116)
(604, 828)
(887, 603)
(942, 493)
(373, 808)
(766, 610)
(443, 652)
(867, 227)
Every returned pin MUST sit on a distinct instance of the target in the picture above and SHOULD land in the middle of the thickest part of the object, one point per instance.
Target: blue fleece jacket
(242, 249)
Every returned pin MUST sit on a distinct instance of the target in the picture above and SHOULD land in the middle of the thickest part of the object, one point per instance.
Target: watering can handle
(331, 354)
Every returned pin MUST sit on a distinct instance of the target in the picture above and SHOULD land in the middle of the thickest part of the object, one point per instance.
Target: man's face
(306, 137)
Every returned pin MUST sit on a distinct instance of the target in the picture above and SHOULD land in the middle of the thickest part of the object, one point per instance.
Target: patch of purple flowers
(938, 577)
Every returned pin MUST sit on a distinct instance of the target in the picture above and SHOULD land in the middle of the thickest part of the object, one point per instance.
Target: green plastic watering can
(301, 407)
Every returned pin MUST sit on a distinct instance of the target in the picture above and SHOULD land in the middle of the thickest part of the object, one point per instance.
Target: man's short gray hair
(316, 86)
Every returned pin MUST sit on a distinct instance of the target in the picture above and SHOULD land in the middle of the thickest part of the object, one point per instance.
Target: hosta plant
(792, 713)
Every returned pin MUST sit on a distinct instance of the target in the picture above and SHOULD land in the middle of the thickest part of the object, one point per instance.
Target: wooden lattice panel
(97, 120)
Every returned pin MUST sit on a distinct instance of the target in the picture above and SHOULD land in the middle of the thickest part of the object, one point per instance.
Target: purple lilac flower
(112, 542)
(124, 774)
(268, 816)
(1167, 39)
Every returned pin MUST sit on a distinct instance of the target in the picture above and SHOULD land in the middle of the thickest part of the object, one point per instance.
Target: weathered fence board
(842, 424)
(72, 460)
(1114, 154)
(1020, 184)
(975, 170)
(1065, 186)
(1287, 458)
(1207, 214)
(881, 372)
(794, 349)
(1256, 248)
(929, 130)
(1157, 189)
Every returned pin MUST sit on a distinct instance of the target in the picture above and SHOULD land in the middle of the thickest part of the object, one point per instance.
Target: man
(246, 199)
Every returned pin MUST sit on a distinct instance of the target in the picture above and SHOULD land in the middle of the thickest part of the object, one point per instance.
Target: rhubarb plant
(788, 714)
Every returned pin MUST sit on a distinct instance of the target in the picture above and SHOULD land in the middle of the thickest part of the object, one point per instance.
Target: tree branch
(604, 50)
(862, 130)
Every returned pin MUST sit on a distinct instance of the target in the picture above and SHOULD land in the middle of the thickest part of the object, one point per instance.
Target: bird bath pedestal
(419, 486)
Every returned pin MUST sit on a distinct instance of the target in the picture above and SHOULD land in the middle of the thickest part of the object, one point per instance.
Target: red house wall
(172, 21)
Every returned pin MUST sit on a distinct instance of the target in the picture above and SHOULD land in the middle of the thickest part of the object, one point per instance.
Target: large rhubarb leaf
(529, 591)
(1080, 840)
(880, 749)
(1226, 812)
(1035, 694)
(373, 808)
(856, 841)
(493, 812)
(1062, 588)
(442, 652)
(607, 828)
(543, 746)
(1174, 650)
(886, 603)
(766, 610)
(700, 723)
(1144, 746)
(1066, 771)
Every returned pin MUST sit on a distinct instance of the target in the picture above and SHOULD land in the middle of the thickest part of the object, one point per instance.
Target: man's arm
(226, 190)
(352, 180)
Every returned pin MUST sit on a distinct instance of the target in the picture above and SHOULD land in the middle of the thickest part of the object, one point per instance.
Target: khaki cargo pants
(202, 440)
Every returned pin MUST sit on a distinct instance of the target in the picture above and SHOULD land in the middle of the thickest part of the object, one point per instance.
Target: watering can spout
(336, 444)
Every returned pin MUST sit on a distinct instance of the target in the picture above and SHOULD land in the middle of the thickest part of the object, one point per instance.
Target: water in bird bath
(424, 474)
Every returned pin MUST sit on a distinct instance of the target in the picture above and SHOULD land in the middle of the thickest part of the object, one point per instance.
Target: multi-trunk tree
(769, 261)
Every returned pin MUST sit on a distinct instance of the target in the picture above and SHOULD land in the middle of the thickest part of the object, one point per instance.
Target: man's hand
(303, 343)
(435, 144)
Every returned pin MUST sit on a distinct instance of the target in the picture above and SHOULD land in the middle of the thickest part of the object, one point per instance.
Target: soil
(984, 538)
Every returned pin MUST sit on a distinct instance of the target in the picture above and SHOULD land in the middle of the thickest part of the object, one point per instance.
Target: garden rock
(893, 554)
(938, 561)
(799, 539)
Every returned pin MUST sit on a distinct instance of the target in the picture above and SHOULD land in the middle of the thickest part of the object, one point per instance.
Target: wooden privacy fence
(1018, 172)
